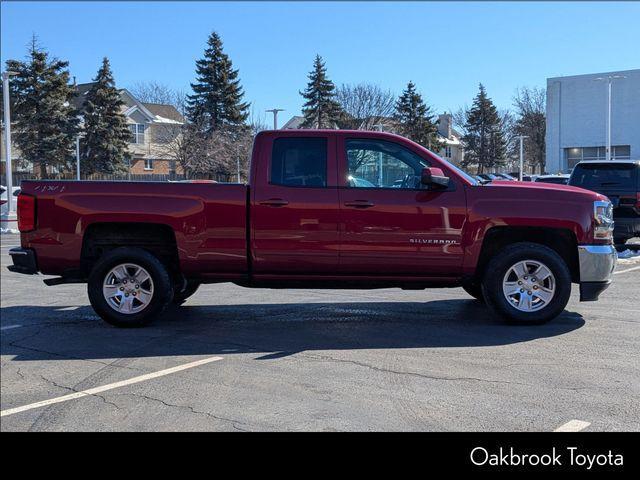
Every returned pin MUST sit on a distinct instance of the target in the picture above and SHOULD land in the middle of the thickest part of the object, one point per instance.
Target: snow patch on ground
(629, 256)
(9, 230)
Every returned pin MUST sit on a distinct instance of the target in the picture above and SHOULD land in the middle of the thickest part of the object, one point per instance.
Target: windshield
(598, 175)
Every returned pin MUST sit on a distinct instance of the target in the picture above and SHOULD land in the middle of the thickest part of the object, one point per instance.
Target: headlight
(603, 220)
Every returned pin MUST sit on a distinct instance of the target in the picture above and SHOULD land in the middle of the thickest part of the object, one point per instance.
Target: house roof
(157, 112)
(81, 90)
(294, 123)
(165, 111)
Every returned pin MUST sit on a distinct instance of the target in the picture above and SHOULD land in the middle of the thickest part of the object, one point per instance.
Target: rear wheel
(129, 287)
(527, 284)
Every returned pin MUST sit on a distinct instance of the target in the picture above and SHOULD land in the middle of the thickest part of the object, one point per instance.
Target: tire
(475, 290)
(144, 304)
(180, 297)
(527, 309)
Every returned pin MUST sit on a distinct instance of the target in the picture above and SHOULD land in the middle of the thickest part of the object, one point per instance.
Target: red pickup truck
(323, 209)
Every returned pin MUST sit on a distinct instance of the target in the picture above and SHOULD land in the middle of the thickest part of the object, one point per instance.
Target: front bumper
(596, 270)
(24, 261)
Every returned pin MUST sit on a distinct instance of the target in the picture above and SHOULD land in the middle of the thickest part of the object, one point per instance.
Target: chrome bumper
(596, 269)
(596, 262)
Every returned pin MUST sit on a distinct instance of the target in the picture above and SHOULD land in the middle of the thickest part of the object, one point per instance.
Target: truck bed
(209, 220)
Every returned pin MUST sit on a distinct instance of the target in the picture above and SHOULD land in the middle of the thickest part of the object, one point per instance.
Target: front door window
(382, 164)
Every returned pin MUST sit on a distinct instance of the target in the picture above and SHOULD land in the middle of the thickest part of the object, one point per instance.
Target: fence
(17, 177)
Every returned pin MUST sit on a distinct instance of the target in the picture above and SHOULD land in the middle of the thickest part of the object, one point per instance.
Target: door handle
(359, 204)
(275, 202)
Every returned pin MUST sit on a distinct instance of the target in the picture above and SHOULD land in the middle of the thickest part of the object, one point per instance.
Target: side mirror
(434, 177)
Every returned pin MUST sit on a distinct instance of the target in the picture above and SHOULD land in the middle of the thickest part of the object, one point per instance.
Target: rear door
(392, 225)
(294, 212)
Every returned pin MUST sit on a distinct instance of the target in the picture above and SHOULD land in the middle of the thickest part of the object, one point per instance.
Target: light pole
(380, 128)
(275, 116)
(78, 157)
(238, 162)
(521, 137)
(7, 137)
(609, 79)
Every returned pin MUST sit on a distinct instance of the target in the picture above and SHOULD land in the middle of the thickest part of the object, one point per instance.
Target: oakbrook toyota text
(571, 456)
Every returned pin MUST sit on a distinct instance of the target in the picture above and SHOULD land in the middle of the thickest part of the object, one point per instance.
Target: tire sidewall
(497, 268)
(162, 286)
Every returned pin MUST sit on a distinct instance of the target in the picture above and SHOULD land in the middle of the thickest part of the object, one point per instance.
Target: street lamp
(380, 128)
(609, 79)
(521, 137)
(7, 137)
(275, 116)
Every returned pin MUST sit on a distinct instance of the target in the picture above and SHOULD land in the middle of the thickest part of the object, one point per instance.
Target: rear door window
(299, 162)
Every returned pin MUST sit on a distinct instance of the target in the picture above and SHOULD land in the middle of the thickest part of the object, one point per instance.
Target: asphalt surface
(317, 360)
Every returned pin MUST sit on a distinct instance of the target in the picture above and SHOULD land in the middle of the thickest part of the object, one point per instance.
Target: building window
(574, 155)
(447, 151)
(148, 163)
(137, 133)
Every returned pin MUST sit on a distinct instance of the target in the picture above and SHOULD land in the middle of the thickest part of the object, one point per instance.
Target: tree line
(220, 124)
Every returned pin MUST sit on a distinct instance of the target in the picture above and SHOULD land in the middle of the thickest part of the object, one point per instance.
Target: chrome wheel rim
(529, 285)
(128, 288)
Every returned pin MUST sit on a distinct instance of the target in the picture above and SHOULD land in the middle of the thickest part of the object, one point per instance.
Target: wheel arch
(562, 241)
(156, 238)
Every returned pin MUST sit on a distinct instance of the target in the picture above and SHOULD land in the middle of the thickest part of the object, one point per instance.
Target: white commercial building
(577, 111)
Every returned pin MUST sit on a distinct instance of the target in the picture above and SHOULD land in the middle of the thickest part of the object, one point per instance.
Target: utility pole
(275, 116)
(7, 139)
(609, 80)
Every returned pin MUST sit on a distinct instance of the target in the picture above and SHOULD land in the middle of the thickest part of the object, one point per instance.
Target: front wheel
(527, 283)
(129, 287)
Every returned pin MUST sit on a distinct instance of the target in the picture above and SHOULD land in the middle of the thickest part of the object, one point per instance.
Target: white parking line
(9, 327)
(627, 270)
(110, 386)
(573, 426)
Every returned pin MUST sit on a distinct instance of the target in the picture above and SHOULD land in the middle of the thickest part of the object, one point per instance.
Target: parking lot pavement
(241, 359)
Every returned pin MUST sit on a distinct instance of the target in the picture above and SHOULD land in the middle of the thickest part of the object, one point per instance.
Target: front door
(390, 223)
(294, 213)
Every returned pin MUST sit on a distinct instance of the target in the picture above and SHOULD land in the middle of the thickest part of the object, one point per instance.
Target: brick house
(153, 128)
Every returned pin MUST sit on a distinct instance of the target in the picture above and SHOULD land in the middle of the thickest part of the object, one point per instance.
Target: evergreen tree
(321, 109)
(104, 147)
(44, 123)
(416, 119)
(216, 102)
(485, 145)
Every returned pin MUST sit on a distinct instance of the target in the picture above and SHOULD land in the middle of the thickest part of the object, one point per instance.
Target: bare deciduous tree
(530, 105)
(154, 92)
(364, 106)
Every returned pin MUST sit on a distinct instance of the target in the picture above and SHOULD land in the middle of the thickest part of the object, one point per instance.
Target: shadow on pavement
(273, 330)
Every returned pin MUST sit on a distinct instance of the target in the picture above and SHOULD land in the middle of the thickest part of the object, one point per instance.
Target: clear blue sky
(446, 48)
